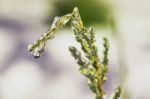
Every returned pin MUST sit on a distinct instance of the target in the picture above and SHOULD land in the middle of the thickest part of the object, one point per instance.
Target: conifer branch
(91, 67)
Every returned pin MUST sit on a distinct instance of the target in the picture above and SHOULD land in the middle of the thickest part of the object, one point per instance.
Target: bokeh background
(55, 75)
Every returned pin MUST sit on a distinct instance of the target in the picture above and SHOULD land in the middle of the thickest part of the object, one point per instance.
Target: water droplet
(36, 55)
(54, 22)
(38, 50)
(42, 47)
(30, 47)
(44, 34)
(75, 9)
(41, 38)
(66, 18)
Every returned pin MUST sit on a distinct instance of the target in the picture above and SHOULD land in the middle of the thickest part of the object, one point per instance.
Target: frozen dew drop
(44, 34)
(36, 55)
(41, 48)
(41, 38)
(66, 18)
(30, 47)
(75, 9)
(54, 22)
(38, 50)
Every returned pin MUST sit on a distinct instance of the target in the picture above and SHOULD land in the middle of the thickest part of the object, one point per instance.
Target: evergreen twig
(91, 67)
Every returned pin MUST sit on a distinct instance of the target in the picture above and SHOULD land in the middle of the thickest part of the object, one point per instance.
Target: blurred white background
(55, 75)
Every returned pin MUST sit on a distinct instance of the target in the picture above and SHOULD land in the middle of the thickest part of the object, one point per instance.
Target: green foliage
(92, 11)
(105, 59)
(90, 66)
(116, 94)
